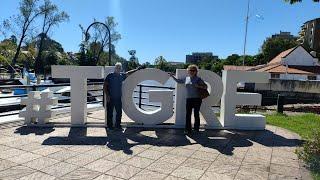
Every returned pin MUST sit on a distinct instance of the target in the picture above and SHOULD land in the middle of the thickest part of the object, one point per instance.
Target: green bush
(310, 152)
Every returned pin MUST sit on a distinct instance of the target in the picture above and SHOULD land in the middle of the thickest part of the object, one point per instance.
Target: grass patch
(303, 124)
(316, 176)
(308, 127)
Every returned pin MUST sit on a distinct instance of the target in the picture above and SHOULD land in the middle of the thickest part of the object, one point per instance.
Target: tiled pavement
(137, 153)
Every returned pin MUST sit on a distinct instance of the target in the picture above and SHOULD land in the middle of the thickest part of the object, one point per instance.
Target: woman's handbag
(203, 93)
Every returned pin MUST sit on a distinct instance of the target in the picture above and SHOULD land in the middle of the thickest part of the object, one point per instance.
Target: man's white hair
(118, 64)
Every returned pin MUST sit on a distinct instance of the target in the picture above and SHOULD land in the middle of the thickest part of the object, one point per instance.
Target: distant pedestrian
(194, 86)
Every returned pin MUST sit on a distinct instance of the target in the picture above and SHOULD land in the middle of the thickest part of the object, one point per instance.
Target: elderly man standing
(113, 91)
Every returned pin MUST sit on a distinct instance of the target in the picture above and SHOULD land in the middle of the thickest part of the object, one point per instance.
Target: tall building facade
(284, 35)
(310, 34)
(197, 57)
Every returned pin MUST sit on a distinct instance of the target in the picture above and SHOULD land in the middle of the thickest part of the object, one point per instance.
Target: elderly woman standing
(193, 83)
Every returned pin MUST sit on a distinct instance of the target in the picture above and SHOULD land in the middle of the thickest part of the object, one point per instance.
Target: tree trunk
(39, 61)
(16, 55)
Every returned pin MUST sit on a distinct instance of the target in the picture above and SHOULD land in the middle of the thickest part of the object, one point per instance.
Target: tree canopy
(51, 16)
(96, 42)
(21, 24)
(274, 46)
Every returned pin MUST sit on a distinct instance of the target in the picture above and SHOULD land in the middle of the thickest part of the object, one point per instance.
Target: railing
(15, 106)
(140, 91)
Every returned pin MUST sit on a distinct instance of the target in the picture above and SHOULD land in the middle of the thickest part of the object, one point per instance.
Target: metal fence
(141, 89)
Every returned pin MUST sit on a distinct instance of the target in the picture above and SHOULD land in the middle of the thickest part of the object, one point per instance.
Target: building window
(312, 77)
(275, 76)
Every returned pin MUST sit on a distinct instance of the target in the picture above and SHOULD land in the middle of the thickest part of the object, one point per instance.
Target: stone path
(138, 153)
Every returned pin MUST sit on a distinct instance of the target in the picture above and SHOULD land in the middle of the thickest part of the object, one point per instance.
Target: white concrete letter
(164, 96)
(231, 98)
(78, 79)
(180, 99)
(215, 89)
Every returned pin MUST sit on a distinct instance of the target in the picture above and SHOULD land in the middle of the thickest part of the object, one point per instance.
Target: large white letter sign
(231, 98)
(163, 96)
(215, 88)
(78, 79)
(180, 99)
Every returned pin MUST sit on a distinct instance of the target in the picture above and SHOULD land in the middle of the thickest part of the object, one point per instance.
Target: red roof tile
(283, 54)
(236, 68)
(282, 69)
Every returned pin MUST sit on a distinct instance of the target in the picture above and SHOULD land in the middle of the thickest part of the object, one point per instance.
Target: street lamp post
(109, 43)
(245, 35)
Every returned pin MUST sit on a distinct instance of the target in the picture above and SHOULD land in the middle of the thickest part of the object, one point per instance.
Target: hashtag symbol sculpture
(38, 107)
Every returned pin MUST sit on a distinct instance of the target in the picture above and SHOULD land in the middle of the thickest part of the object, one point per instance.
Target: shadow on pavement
(223, 141)
(25, 130)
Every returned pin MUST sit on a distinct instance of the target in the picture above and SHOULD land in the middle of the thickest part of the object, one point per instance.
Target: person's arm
(128, 73)
(180, 81)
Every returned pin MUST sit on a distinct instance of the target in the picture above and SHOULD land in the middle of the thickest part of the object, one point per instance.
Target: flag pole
(245, 35)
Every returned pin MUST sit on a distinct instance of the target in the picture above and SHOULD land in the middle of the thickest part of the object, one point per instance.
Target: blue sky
(174, 28)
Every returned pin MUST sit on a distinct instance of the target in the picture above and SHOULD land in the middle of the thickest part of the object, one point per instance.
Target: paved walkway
(137, 153)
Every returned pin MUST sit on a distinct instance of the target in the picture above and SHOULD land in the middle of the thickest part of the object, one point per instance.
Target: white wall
(300, 57)
(289, 86)
(293, 77)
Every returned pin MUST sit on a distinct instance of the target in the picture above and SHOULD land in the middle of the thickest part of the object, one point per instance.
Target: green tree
(250, 60)
(98, 41)
(273, 46)
(50, 58)
(27, 56)
(147, 64)
(233, 59)
(51, 16)
(207, 62)
(3, 60)
(132, 65)
(161, 63)
(48, 44)
(218, 67)
(28, 12)
(7, 50)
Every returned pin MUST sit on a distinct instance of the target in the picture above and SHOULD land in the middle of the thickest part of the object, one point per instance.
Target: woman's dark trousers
(193, 103)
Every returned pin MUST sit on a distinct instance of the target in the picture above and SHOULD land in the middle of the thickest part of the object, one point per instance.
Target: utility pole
(245, 35)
